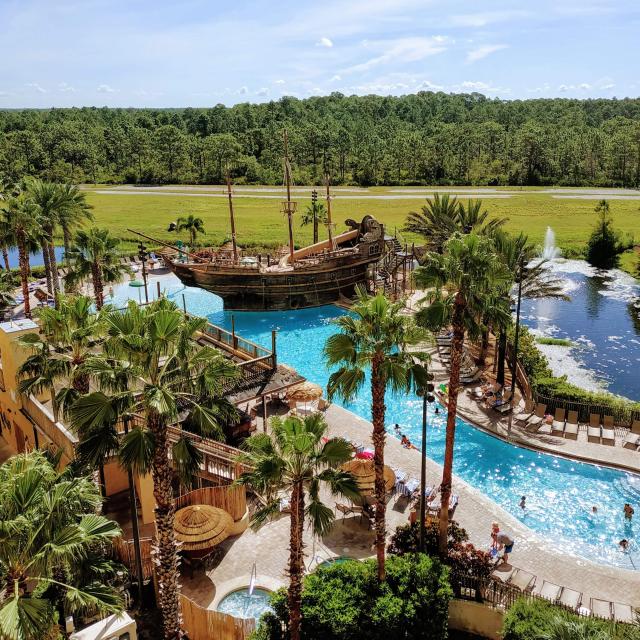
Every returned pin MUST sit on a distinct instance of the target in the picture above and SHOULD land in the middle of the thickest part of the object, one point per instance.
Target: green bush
(560, 342)
(345, 602)
(538, 619)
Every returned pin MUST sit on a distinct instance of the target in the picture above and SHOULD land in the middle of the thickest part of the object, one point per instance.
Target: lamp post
(427, 397)
(514, 357)
(144, 256)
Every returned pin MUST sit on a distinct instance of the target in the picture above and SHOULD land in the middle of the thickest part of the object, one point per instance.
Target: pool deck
(268, 547)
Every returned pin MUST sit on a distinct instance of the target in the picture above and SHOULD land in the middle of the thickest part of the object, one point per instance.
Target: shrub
(538, 619)
(345, 602)
(463, 558)
(605, 243)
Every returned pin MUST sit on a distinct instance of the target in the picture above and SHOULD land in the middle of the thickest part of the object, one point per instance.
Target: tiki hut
(200, 527)
(365, 476)
(306, 393)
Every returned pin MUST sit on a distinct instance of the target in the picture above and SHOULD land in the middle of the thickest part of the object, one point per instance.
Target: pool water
(242, 605)
(333, 561)
(560, 492)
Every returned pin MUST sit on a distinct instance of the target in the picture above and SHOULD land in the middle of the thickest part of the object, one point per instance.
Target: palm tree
(22, 219)
(49, 532)
(378, 337)
(192, 225)
(94, 255)
(150, 370)
(75, 214)
(315, 213)
(459, 279)
(6, 291)
(7, 190)
(443, 215)
(62, 205)
(295, 459)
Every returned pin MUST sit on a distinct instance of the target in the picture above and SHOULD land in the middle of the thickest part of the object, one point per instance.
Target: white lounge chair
(608, 432)
(536, 419)
(623, 613)
(548, 591)
(570, 598)
(557, 428)
(601, 608)
(522, 580)
(632, 439)
(571, 426)
(594, 432)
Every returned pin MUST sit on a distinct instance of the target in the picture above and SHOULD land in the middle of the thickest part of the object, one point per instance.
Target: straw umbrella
(365, 475)
(200, 527)
(304, 393)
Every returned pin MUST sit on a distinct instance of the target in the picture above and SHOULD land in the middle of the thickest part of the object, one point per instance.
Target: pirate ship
(322, 273)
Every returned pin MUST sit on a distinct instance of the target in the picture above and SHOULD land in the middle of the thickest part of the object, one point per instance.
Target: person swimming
(523, 502)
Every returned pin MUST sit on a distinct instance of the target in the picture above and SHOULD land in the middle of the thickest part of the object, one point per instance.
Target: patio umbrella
(200, 527)
(136, 283)
(305, 392)
(365, 475)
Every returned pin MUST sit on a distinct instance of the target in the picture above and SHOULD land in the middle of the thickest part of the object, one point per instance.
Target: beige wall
(476, 618)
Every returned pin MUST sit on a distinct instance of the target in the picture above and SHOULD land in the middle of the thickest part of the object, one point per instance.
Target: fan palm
(7, 190)
(376, 336)
(459, 281)
(76, 212)
(192, 225)
(6, 291)
(21, 218)
(94, 255)
(314, 214)
(49, 531)
(150, 370)
(296, 459)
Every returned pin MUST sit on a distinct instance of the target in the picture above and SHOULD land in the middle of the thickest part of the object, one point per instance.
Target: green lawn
(260, 223)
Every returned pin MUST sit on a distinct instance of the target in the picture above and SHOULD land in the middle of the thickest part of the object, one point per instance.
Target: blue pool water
(560, 492)
(242, 605)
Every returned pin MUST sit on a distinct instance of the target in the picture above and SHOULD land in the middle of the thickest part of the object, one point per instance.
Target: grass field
(260, 223)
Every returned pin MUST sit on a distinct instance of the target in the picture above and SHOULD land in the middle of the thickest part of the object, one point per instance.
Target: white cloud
(475, 86)
(36, 86)
(477, 20)
(66, 88)
(427, 85)
(264, 91)
(542, 89)
(243, 91)
(335, 78)
(279, 81)
(583, 86)
(608, 86)
(482, 52)
(324, 42)
(105, 88)
(409, 49)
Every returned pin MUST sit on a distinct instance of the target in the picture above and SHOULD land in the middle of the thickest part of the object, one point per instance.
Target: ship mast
(288, 206)
(233, 222)
(329, 223)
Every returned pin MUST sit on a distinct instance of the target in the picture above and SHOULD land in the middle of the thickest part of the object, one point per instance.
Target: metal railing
(622, 415)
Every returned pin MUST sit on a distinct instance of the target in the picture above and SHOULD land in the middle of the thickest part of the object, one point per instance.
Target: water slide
(319, 247)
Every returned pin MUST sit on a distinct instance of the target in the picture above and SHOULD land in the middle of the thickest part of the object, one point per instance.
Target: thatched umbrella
(304, 392)
(365, 475)
(200, 527)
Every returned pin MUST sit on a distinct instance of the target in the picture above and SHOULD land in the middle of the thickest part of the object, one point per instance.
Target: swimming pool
(560, 492)
(241, 604)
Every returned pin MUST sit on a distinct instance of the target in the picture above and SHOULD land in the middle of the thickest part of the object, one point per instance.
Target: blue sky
(200, 53)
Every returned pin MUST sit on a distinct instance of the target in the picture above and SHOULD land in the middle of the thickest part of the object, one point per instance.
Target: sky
(161, 53)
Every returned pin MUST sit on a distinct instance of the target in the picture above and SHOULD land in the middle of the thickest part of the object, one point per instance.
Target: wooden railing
(233, 499)
(233, 342)
(124, 552)
(55, 431)
(206, 624)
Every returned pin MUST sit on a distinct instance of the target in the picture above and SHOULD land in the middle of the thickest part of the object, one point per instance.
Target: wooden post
(234, 340)
(274, 357)
(158, 288)
(264, 414)
(233, 222)
(184, 304)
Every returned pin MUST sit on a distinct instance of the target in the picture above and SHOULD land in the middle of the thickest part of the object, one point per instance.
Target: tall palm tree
(192, 225)
(458, 281)
(6, 291)
(314, 214)
(376, 336)
(22, 219)
(76, 212)
(60, 205)
(150, 370)
(49, 531)
(442, 216)
(295, 459)
(95, 255)
(8, 189)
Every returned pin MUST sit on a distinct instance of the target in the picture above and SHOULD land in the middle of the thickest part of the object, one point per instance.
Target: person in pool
(624, 545)
(628, 511)
(523, 502)
(396, 428)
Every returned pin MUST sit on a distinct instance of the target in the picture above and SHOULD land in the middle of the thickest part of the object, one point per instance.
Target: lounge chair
(538, 416)
(623, 613)
(632, 439)
(594, 431)
(571, 426)
(608, 432)
(503, 572)
(570, 598)
(601, 608)
(548, 591)
(557, 428)
(522, 580)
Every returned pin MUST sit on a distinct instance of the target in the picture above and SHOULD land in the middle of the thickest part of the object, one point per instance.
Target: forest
(422, 139)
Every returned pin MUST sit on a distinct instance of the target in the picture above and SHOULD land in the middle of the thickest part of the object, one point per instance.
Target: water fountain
(550, 251)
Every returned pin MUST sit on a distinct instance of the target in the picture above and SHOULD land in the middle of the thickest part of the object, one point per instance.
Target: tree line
(425, 138)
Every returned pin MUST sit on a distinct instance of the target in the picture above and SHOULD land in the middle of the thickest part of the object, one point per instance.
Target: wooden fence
(206, 624)
(232, 499)
(124, 552)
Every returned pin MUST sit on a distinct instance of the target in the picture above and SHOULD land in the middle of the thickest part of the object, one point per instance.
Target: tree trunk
(23, 261)
(315, 224)
(296, 561)
(167, 555)
(5, 257)
(53, 265)
(98, 292)
(66, 238)
(502, 356)
(484, 347)
(457, 344)
(47, 265)
(379, 434)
